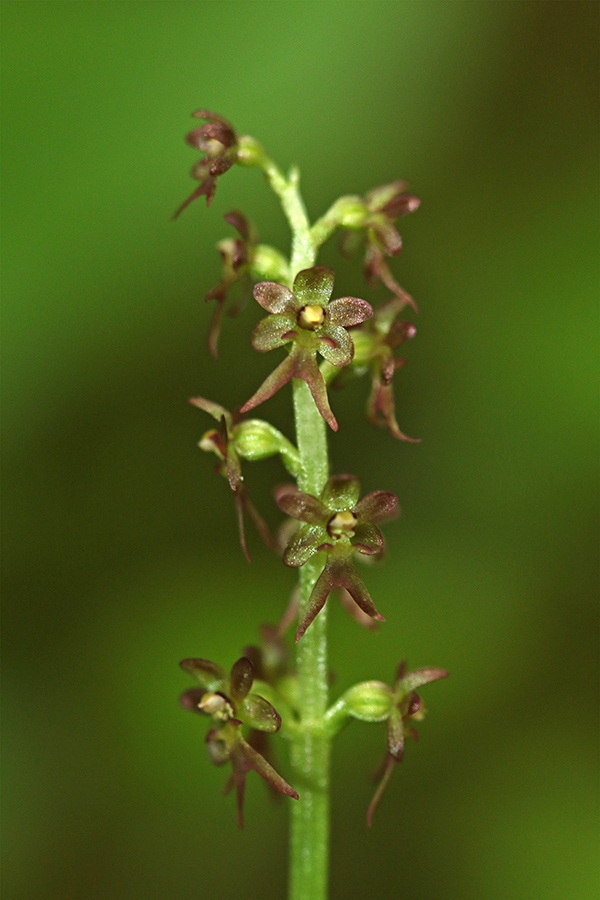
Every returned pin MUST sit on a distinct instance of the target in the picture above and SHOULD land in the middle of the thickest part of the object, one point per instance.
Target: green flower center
(342, 524)
(310, 317)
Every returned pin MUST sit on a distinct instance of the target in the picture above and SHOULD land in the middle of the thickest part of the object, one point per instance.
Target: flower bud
(268, 264)
(256, 439)
(249, 152)
(371, 701)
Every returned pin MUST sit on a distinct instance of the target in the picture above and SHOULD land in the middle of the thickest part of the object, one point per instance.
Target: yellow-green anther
(342, 524)
(217, 706)
(310, 317)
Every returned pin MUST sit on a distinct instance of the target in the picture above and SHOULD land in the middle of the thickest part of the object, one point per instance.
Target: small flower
(375, 343)
(406, 709)
(305, 317)
(231, 704)
(383, 206)
(221, 441)
(340, 525)
(237, 255)
(219, 142)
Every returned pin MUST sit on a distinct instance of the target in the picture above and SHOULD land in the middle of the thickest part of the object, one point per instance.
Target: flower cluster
(305, 318)
(340, 525)
(229, 701)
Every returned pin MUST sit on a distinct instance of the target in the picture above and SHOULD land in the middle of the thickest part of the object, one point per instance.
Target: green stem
(310, 753)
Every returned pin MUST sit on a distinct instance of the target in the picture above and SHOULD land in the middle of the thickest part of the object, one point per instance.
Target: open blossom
(219, 142)
(230, 702)
(305, 318)
(340, 525)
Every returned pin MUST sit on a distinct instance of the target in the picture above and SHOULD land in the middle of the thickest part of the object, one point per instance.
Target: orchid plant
(327, 524)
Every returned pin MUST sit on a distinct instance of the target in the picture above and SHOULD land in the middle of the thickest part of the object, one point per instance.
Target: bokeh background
(120, 545)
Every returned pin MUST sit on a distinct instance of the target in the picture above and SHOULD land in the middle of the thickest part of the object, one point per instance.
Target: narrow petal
(191, 699)
(210, 676)
(390, 764)
(214, 328)
(240, 770)
(376, 506)
(416, 679)
(241, 678)
(272, 332)
(316, 601)
(239, 221)
(367, 539)
(335, 344)
(280, 376)
(213, 409)
(395, 735)
(314, 285)
(357, 614)
(220, 131)
(401, 205)
(208, 188)
(341, 492)
(303, 507)
(386, 234)
(349, 311)
(345, 575)
(257, 762)
(307, 369)
(303, 545)
(258, 713)
(275, 298)
(258, 522)
(240, 504)
(381, 412)
(379, 197)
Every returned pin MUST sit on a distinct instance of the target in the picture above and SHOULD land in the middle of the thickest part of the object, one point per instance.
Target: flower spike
(307, 319)
(341, 525)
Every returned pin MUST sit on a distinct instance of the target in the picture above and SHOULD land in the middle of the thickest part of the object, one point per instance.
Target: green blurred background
(121, 553)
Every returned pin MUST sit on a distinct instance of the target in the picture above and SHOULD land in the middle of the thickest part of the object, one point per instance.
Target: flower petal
(280, 376)
(389, 765)
(335, 344)
(345, 575)
(367, 539)
(275, 298)
(272, 332)
(210, 676)
(376, 506)
(316, 601)
(256, 712)
(341, 492)
(349, 311)
(303, 545)
(381, 412)
(395, 735)
(314, 285)
(410, 682)
(191, 698)
(241, 678)
(303, 507)
(213, 409)
(257, 762)
(307, 369)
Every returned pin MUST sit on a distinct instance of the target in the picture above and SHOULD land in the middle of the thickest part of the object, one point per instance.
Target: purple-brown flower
(219, 142)
(383, 206)
(341, 525)
(406, 709)
(305, 318)
(236, 256)
(231, 704)
(221, 441)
